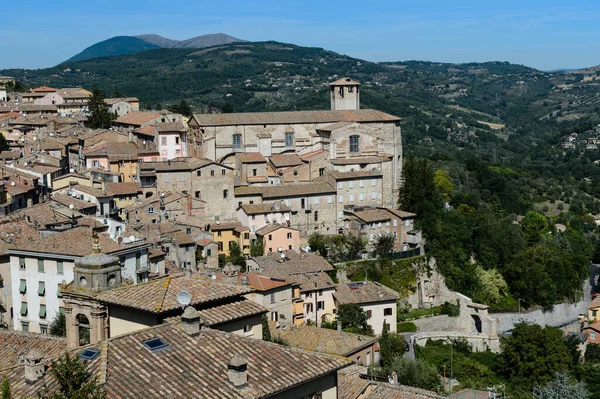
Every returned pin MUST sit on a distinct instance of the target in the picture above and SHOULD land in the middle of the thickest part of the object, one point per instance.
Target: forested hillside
(491, 133)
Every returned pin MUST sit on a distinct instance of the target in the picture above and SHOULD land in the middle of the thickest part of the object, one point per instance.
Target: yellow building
(224, 233)
(594, 310)
(124, 194)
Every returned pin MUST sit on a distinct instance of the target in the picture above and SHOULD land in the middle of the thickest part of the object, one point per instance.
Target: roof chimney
(34, 368)
(237, 371)
(339, 326)
(190, 321)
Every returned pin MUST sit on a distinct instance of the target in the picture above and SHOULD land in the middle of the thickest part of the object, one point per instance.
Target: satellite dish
(71, 206)
(71, 170)
(282, 256)
(25, 163)
(12, 183)
(184, 298)
(279, 249)
(131, 238)
(214, 276)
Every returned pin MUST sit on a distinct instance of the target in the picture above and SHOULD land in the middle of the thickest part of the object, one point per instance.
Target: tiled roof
(595, 303)
(324, 340)
(311, 281)
(379, 214)
(259, 282)
(67, 200)
(231, 311)
(285, 160)
(182, 163)
(344, 82)
(271, 228)
(169, 127)
(286, 190)
(180, 238)
(359, 160)
(148, 130)
(350, 386)
(225, 226)
(114, 150)
(15, 230)
(204, 242)
(123, 188)
(293, 117)
(357, 174)
(364, 292)
(73, 92)
(160, 296)
(15, 344)
(334, 126)
(257, 179)
(44, 214)
(137, 118)
(95, 192)
(251, 157)
(73, 242)
(42, 89)
(259, 209)
(294, 264)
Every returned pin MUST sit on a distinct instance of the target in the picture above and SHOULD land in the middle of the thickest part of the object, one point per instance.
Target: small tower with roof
(345, 94)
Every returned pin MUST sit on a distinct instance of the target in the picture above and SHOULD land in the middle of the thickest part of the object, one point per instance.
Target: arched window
(84, 329)
(354, 144)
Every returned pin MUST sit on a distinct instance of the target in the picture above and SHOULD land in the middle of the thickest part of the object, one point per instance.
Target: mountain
(120, 45)
(214, 39)
(117, 45)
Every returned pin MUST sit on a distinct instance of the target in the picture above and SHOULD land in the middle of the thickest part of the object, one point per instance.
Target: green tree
(419, 193)
(534, 226)
(5, 389)
(592, 354)
(266, 332)
(318, 243)
(99, 117)
(491, 287)
(534, 354)
(227, 108)
(391, 346)
(563, 387)
(236, 256)
(58, 326)
(415, 373)
(184, 108)
(444, 184)
(384, 245)
(74, 380)
(158, 107)
(354, 318)
(354, 245)
(257, 248)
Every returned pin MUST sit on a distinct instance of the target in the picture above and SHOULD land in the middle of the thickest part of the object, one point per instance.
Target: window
(188, 230)
(387, 311)
(309, 308)
(155, 344)
(320, 305)
(341, 91)
(176, 140)
(387, 223)
(274, 316)
(222, 172)
(187, 249)
(212, 173)
(41, 288)
(361, 196)
(163, 141)
(25, 326)
(220, 245)
(289, 236)
(198, 173)
(247, 329)
(219, 234)
(395, 222)
(22, 263)
(351, 197)
(166, 178)
(360, 184)
(40, 265)
(289, 139)
(340, 185)
(270, 237)
(316, 216)
(329, 199)
(594, 313)
(225, 193)
(237, 141)
(379, 224)
(320, 292)
(321, 171)
(350, 184)
(138, 261)
(354, 144)
(369, 314)
(407, 223)
(43, 329)
(58, 291)
(340, 198)
(272, 297)
(197, 194)
(42, 311)
(23, 286)
(302, 203)
(350, 89)
(24, 309)
(151, 209)
(254, 171)
(181, 177)
(246, 236)
(373, 195)
(316, 201)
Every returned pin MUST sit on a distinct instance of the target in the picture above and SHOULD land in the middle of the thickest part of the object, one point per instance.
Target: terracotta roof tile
(123, 188)
(259, 282)
(67, 200)
(285, 160)
(137, 118)
(364, 292)
(15, 344)
(251, 157)
(264, 208)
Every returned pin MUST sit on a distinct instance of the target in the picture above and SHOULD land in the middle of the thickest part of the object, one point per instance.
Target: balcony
(413, 237)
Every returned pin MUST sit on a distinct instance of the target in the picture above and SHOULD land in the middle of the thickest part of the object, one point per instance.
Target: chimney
(190, 321)
(34, 368)
(339, 326)
(394, 378)
(237, 371)
(244, 279)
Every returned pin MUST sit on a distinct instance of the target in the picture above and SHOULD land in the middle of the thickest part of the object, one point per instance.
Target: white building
(257, 216)
(38, 268)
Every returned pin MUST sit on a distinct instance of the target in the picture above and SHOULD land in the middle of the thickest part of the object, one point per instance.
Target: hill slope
(117, 45)
(120, 45)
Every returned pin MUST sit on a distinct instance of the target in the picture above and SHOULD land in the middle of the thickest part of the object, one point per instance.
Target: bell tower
(86, 318)
(344, 94)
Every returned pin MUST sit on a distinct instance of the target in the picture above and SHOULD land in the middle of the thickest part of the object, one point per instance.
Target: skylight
(155, 344)
(89, 354)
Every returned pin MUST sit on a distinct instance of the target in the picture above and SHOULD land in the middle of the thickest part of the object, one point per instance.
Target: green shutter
(24, 309)
(42, 288)
(58, 291)
(23, 287)
(42, 311)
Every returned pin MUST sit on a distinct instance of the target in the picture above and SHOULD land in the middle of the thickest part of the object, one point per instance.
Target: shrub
(406, 326)
(450, 309)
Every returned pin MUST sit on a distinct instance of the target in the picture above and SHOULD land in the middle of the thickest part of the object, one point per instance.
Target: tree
(5, 389)
(227, 108)
(58, 326)
(99, 117)
(592, 354)
(415, 373)
(491, 287)
(158, 107)
(384, 245)
(266, 331)
(74, 381)
(236, 256)
(563, 387)
(419, 193)
(391, 346)
(534, 226)
(184, 108)
(354, 245)
(318, 243)
(257, 248)
(534, 353)
(354, 318)
(444, 184)
(116, 93)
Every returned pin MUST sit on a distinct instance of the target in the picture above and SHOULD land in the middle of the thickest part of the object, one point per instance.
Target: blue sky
(543, 34)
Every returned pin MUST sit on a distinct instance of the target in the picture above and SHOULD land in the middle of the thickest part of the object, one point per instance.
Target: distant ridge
(121, 45)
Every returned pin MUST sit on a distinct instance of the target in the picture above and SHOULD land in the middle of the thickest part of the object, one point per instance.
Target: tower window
(354, 144)
(350, 89)
(341, 91)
